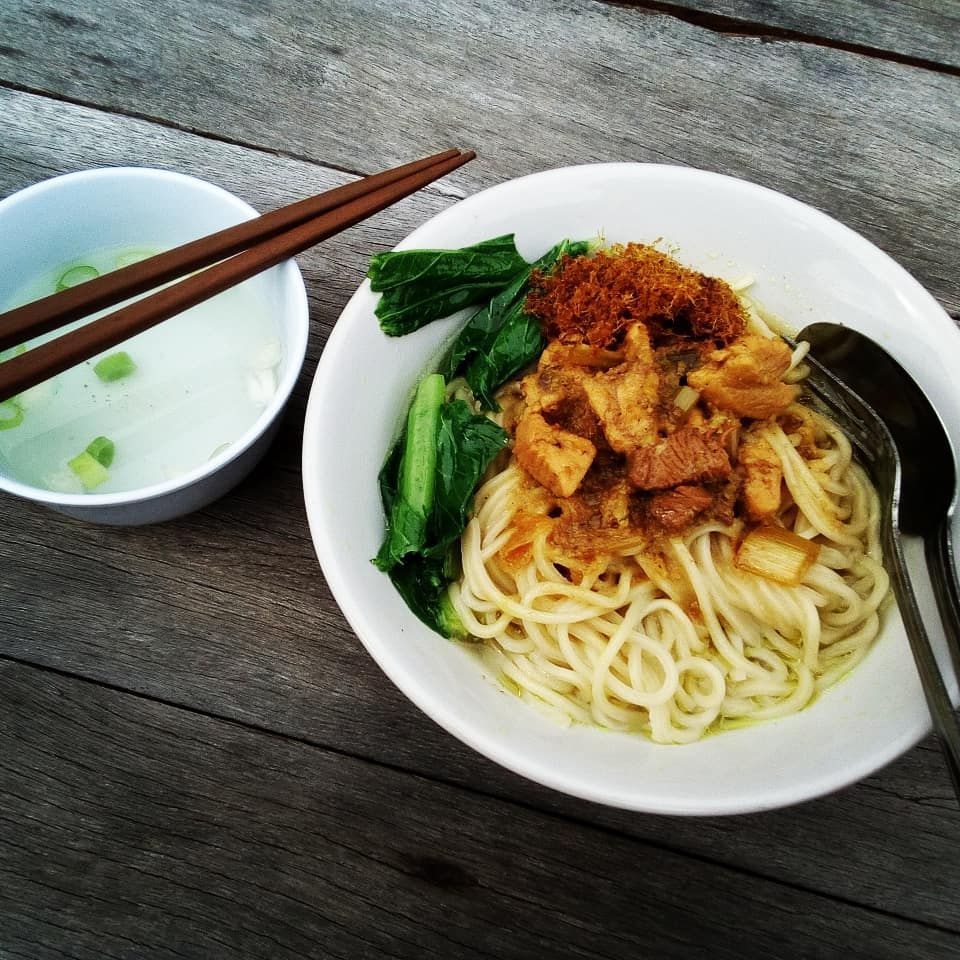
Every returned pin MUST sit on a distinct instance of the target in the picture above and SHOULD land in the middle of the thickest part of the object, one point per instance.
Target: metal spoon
(927, 496)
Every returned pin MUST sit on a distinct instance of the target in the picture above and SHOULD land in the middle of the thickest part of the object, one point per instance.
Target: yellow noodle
(620, 647)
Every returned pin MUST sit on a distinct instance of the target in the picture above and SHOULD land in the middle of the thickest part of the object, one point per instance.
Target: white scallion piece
(686, 397)
(63, 481)
(777, 554)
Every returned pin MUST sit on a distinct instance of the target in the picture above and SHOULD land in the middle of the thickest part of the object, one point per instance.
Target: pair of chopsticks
(238, 253)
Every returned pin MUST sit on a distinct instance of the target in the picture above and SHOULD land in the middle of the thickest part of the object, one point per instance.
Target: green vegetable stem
(407, 520)
(427, 486)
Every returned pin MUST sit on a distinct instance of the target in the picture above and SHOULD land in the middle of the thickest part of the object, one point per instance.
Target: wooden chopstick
(58, 309)
(43, 362)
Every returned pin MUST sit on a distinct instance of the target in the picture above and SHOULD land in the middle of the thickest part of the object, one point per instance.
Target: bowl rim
(430, 702)
(291, 277)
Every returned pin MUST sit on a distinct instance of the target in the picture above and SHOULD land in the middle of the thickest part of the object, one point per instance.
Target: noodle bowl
(809, 267)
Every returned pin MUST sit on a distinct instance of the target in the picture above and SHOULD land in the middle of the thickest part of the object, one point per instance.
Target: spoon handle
(942, 565)
(945, 721)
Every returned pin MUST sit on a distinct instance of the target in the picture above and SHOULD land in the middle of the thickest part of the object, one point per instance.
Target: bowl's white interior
(807, 267)
(59, 220)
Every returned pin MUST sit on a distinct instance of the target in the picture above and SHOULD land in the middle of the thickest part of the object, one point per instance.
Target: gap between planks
(733, 26)
(463, 788)
(451, 193)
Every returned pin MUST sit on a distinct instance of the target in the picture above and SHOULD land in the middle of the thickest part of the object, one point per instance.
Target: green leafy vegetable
(116, 366)
(428, 480)
(463, 444)
(494, 260)
(102, 450)
(516, 345)
(90, 471)
(423, 582)
(502, 339)
(466, 443)
(412, 501)
(76, 275)
(481, 329)
(420, 286)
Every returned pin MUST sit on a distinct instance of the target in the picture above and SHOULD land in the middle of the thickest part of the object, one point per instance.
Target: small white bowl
(807, 267)
(53, 222)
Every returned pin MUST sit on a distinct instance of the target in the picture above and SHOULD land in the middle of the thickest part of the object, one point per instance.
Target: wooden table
(197, 757)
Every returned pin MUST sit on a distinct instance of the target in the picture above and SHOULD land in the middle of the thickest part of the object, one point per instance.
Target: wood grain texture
(151, 832)
(530, 85)
(227, 612)
(924, 29)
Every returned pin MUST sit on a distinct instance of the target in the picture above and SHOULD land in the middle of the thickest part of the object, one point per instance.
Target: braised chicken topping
(646, 411)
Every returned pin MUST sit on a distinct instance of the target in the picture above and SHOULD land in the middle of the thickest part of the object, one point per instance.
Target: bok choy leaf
(419, 286)
(425, 516)
(502, 339)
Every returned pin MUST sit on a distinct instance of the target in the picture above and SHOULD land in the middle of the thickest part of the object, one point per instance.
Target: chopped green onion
(102, 450)
(11, 415)
(114, 367)
(13, 352)
(131, 257)
(76, 275)
(219, 450)
(90, 471)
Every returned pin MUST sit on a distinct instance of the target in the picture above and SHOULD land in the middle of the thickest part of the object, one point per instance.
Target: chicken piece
(560, 373)
(553, 388)
(686, 456)
(745, 378)
(676, 509)
(555, 458)
(579, 355)
(615, 505)
(624, 398)
(762, 476)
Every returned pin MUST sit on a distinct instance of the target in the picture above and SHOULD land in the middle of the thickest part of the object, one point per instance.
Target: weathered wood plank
(227, 611)
(530, 85)
(926, 30)
(149, 831)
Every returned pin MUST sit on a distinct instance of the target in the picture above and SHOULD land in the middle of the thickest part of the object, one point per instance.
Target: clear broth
(202, 379)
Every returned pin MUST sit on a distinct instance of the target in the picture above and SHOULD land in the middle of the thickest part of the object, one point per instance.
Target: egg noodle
(679, 641)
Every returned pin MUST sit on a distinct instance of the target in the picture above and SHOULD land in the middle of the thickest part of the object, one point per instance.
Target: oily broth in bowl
(858, 725)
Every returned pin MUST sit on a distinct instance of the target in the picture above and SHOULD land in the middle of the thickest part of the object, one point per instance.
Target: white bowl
(53, 222)
(807, 267)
